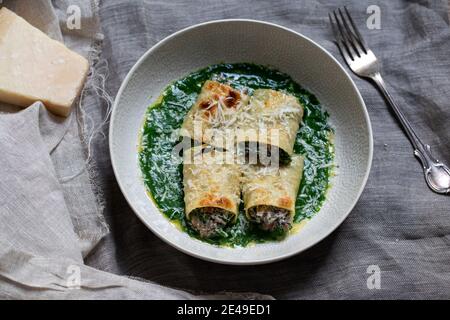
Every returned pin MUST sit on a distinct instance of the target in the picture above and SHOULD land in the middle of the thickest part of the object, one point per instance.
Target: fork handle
(412, 135)
(415, 141)
(421, 150)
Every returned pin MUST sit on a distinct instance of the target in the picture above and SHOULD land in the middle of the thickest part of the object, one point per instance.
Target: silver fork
(363, 63)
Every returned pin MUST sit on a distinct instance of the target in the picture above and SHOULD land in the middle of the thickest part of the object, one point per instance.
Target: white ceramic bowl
(261, 43)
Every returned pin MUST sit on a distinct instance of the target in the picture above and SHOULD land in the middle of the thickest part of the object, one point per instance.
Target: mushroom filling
(210, 221)
(270, 218)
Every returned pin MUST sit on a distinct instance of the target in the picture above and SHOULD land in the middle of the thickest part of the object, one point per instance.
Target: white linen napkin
(50, 206)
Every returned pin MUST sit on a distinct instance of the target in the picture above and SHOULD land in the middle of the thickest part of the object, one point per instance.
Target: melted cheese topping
(213, 116)
(210, 180)
(274, 116)
(272, 186)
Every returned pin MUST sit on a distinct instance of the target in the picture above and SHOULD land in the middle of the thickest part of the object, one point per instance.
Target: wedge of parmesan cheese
(34, 67)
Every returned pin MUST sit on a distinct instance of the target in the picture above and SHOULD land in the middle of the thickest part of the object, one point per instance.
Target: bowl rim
(186, 250)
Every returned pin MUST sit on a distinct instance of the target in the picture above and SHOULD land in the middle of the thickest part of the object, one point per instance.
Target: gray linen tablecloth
(51, 204)
(398, 226)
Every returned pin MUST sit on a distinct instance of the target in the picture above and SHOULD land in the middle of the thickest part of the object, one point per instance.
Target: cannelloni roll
(269, 193)
(269, 123)
(211, 180)
(212, 118)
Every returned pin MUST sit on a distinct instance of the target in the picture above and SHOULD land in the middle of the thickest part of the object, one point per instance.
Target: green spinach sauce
(162, 173)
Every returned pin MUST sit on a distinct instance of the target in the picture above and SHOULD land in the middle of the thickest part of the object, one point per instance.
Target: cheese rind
(34, 67)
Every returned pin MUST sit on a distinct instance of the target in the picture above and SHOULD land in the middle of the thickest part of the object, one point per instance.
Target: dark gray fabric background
(398, 224)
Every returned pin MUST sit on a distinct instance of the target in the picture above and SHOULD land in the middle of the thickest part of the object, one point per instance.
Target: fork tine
(347, 43)
(356, 31)
(351, 35)
(339, 41)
